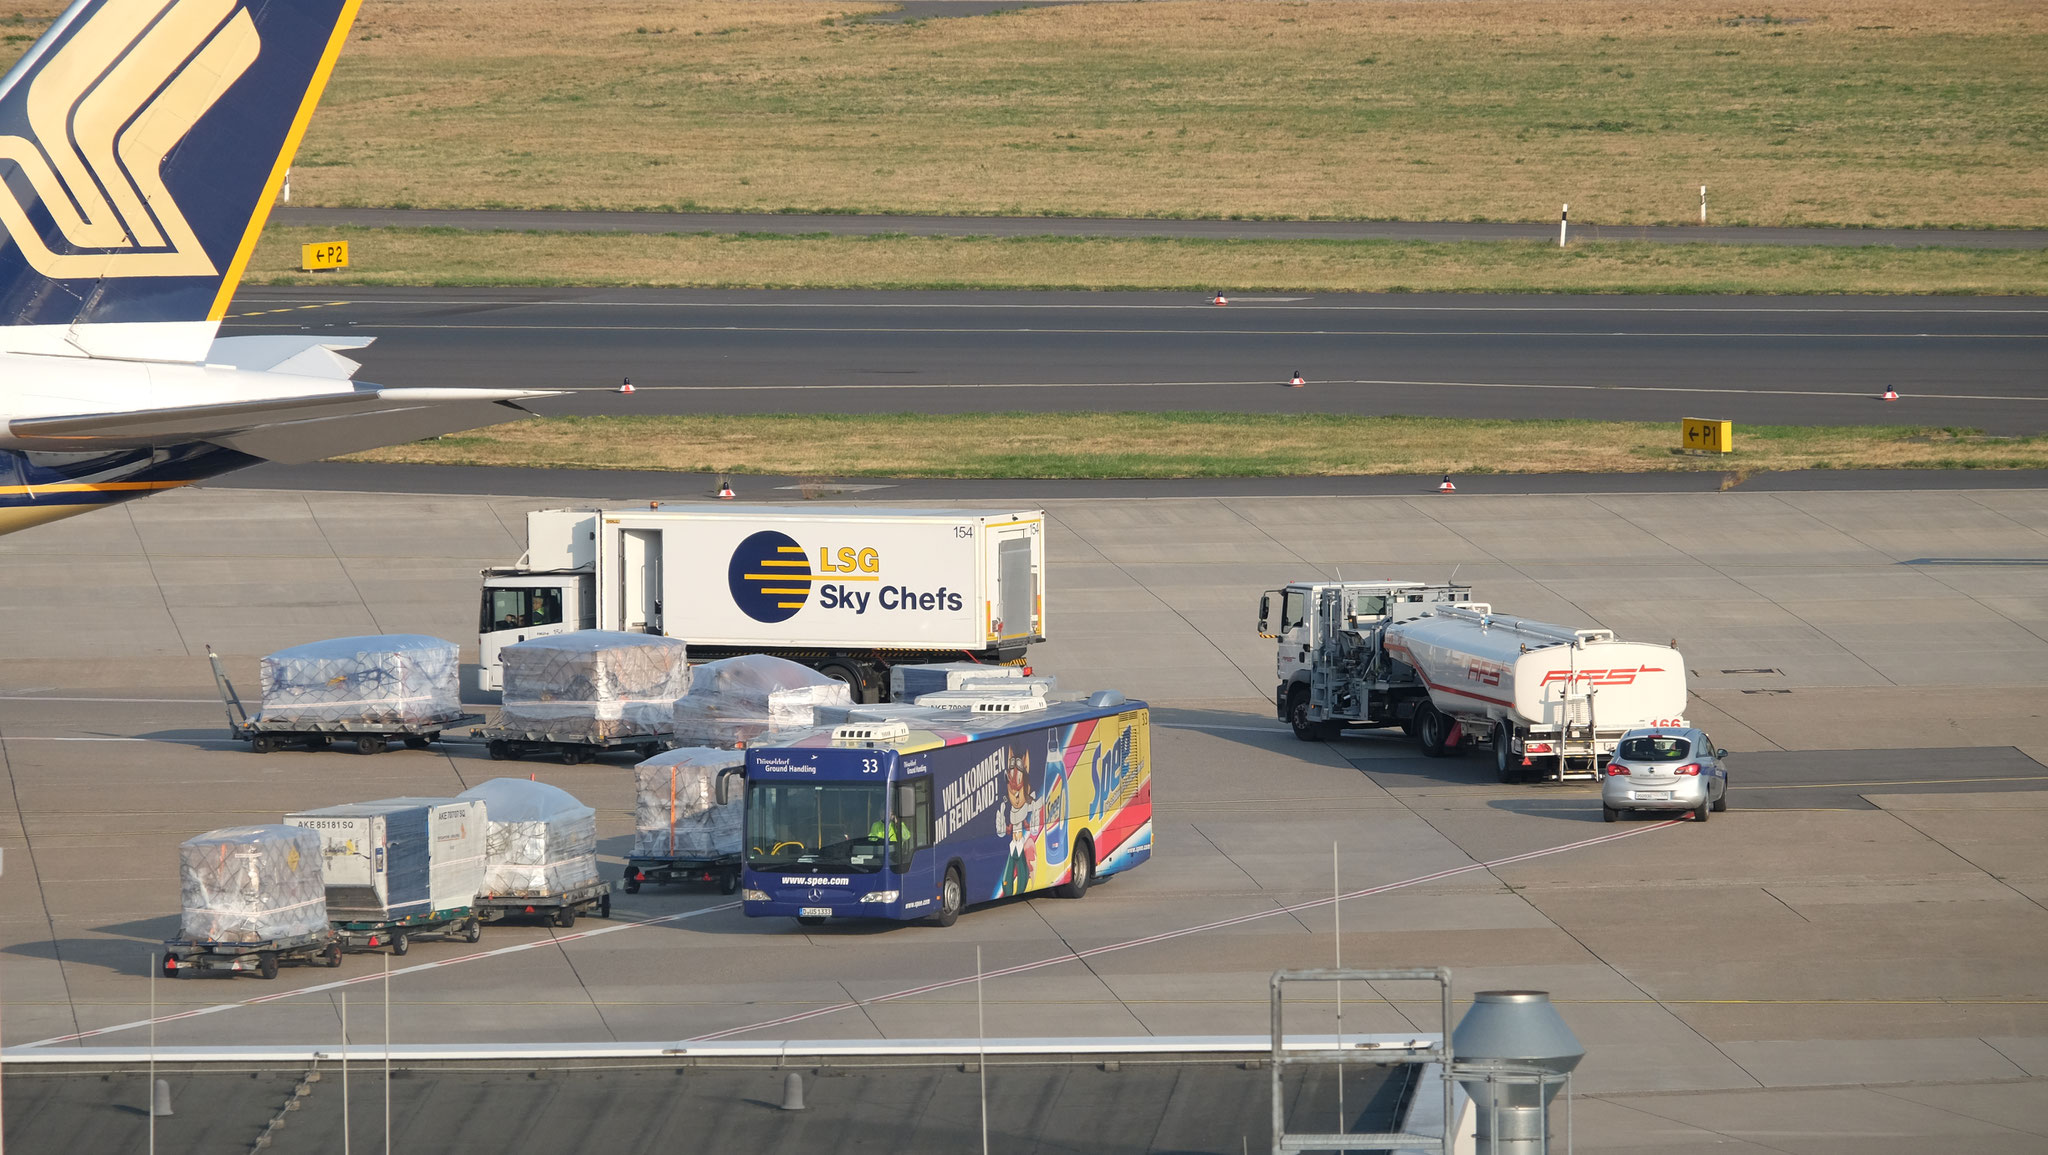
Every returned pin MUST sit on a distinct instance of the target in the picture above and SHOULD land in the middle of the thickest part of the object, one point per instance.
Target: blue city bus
(930, 813)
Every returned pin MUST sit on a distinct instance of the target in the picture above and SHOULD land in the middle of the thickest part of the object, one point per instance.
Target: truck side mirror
(724, 789)
(1265, 614)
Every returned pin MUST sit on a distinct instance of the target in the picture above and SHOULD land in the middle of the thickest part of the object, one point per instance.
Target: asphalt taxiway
(1965, 362)
(1848, 959)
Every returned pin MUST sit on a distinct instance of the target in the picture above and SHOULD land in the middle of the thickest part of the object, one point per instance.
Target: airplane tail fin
(142, 143)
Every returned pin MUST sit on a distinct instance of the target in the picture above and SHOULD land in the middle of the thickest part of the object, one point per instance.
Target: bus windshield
(816, 827)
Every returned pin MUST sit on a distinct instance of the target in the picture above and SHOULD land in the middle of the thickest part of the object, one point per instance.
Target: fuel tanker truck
(1551, 701)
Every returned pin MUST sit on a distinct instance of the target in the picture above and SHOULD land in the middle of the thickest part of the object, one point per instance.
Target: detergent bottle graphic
(1054, 807)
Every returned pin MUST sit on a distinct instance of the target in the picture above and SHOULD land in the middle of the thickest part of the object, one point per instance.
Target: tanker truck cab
(1331, 671)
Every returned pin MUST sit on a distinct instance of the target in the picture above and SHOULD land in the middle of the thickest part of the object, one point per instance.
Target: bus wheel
(840, 670)
(952, 897)
(1083, 874)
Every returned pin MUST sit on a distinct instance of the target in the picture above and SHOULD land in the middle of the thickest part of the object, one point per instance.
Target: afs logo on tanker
(771, 579)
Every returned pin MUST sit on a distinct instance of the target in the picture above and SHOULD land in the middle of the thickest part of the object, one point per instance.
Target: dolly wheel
(400, 942)
(266, 964)
(332, 955)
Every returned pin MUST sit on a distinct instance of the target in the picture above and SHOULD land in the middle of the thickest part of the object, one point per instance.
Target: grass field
(454, 257)
(1897, 112)
(1101, 445)
(1851, 112)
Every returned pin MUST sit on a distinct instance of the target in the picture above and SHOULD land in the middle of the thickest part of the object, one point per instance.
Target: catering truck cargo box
(848, 591)
(399, 858)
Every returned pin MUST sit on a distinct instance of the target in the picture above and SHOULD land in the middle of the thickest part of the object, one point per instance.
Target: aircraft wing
(289, 429)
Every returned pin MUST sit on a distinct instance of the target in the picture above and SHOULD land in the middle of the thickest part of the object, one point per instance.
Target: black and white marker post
(1563, 215)
(1703, 204)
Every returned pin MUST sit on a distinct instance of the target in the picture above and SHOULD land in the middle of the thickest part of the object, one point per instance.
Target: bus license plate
(816, 912)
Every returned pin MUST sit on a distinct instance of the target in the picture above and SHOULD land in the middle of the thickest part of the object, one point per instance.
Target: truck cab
(1329, 671)
(518, 605)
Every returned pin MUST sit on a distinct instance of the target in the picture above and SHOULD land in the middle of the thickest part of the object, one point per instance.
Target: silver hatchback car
(1665, 769)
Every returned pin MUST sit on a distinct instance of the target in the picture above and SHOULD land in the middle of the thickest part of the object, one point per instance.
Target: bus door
(912, 858)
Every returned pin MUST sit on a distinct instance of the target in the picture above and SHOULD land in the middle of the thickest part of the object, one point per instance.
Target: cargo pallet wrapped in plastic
(736, 700)
(379, 679)
(910, 682)
(541, 842)
(675, 805)
(593, 685)
(251, 884)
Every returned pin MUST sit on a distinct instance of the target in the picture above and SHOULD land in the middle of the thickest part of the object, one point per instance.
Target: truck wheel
(331, 957)
(499, 751)
(370, 744)
(632, 885)
(565, 916)
(577, 755)
(1504, 766)
(400, 942)
(1431, 729)
(1084, 872)
(1297, 715)
(266, 964)
(844, 671)
(729, 882)
(263, 743)
(952, 897)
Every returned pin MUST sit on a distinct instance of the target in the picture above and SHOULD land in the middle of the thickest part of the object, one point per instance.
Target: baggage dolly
(183, 955)
(557, 909)
(369, 737)
(509, 744)
(396, 934)
(723, 869)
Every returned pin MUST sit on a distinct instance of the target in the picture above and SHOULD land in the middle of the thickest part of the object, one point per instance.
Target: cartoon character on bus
(1018, 817)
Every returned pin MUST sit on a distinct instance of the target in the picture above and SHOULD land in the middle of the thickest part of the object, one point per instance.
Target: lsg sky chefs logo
(772, 578)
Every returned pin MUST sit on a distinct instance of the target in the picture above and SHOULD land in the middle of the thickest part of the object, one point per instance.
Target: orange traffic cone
(1297, 381)
(725, 489)
(1447, 487)
(1221, 299)
(1891, 394)
(627, 386)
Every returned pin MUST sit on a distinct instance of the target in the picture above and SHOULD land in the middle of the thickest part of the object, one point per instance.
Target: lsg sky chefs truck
(848, 592)
(1551, 701)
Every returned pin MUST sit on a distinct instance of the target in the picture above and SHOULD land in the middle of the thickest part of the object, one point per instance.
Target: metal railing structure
(1302, 1053)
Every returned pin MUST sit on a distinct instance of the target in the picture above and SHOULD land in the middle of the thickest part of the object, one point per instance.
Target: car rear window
(1655, 748)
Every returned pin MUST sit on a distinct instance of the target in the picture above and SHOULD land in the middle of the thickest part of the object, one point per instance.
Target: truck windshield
(816, 827)
(520, 607)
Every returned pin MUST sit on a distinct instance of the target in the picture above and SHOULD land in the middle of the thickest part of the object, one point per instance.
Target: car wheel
(1609, 814)
(1084, 873)
(1700, 812)
(1721, 803)
(1431, 729)
(952, 897)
